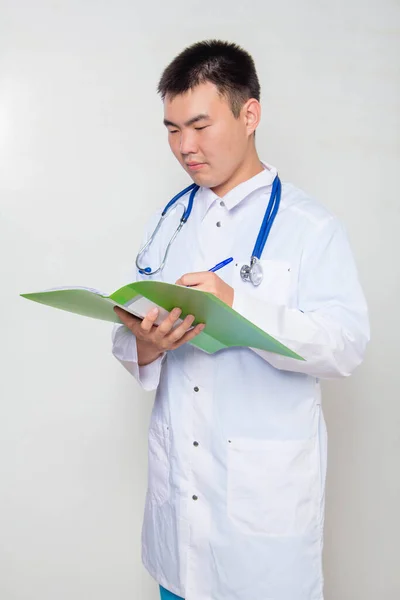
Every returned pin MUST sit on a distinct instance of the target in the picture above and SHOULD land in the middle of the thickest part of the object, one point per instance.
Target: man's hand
(207, 281)
(152, 340)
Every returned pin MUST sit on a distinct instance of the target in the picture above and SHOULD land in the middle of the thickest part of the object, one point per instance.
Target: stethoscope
(252, 272)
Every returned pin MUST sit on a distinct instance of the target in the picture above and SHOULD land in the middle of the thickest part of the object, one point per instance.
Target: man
(237, 440)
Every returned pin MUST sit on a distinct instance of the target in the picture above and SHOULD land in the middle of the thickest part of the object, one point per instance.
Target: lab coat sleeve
(329, 327)
(124, 346)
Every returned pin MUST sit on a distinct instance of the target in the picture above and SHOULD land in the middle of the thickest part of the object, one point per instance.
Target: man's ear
(252, 115)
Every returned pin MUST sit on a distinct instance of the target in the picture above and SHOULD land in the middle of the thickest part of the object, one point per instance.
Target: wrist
(150, 359)
(147, 353)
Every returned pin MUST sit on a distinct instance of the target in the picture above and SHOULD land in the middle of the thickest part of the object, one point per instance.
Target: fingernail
(154, 311)
(177, 312)
(202, 326)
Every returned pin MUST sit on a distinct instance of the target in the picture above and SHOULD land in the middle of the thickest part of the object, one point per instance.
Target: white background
(84, 161)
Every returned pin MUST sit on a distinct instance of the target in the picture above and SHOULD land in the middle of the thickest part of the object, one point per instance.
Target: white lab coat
(237, 440)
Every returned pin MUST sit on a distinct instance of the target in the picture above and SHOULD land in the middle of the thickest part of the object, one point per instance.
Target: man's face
(206, 138)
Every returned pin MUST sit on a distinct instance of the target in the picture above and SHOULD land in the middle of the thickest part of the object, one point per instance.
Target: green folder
(224, 328)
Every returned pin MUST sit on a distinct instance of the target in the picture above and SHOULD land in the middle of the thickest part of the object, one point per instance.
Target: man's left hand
(207, 281)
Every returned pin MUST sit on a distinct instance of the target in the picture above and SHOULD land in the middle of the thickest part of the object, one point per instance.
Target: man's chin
(202, 179)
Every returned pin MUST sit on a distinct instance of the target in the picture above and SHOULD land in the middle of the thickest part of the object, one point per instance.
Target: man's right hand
(152, 340)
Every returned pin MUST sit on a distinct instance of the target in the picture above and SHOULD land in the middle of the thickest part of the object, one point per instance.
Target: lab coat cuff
(268, 317)
(239, 303)
(261, 313)
(125, 350)
(149, 375)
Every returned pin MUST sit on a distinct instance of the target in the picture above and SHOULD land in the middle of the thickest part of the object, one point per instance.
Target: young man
(237, 440)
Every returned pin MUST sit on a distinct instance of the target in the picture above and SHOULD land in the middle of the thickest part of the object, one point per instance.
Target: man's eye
(200, 128)
(173, 130)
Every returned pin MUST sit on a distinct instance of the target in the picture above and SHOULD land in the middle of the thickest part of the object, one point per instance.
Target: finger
(167, 324)
(189, 336)
(193, 279)
(179, 331)
(149, 320)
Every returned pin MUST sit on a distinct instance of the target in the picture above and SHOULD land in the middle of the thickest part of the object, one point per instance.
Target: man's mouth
(194, 166)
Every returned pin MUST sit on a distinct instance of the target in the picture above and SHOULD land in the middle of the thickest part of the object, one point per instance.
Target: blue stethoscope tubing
(269, 218)
(193, 189)
(185, 215)
(247, 270)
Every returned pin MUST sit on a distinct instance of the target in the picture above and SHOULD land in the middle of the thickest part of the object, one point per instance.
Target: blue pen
(221, 264)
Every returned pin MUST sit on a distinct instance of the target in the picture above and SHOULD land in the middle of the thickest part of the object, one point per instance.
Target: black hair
(230, 68)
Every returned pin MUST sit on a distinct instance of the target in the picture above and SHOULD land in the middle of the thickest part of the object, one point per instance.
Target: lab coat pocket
(158, 460)
(273, 486)
(275, 285)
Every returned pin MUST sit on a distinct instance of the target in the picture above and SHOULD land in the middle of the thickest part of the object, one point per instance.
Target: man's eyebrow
(191, 121)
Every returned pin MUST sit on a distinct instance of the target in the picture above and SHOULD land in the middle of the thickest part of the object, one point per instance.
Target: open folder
(224, 327)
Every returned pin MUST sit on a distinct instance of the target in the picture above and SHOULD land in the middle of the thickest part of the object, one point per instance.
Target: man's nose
(188, 143)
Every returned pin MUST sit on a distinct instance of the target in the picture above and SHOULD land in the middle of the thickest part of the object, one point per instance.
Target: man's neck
(247, 170)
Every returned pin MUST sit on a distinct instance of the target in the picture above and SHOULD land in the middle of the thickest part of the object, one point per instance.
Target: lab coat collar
(241, 191)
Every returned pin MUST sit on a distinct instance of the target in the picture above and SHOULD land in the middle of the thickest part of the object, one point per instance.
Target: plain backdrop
(84, 161)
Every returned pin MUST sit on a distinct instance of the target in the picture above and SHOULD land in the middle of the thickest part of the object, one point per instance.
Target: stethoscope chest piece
(253, 273)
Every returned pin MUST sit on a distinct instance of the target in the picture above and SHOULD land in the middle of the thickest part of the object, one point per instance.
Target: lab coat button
(222, 203)
(196, 389)
(195, 444)
(218, 223)
(195, 497)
